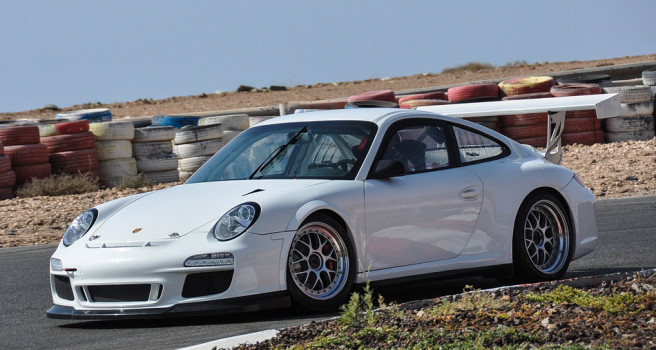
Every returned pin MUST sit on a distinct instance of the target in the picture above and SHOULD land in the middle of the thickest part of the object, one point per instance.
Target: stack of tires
(7, 176)
(113, 143)
(581, 127)
(530, 86)
(28, 156)
(233, 124)
(194, 145)
(71, 147)
(153, 152)
(174, 121)
(636, 119)
(476, 93)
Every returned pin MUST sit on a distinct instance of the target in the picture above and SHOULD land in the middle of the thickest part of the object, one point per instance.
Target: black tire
(541, 253)
(308, 254)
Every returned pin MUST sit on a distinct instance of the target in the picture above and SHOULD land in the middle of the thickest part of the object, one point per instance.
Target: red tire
(19, 134)
(72, 127)
(528, 96)
(7, 179)
(378, 95)
(527, 85)
(581, 125)
(525, 131)
(27, 154)
(5, 163)
(534, 141)
(73, 162)
(2, 149)
(582, 138)
(69, 142)
(25, 173)
(409, 104)
(524, 119)
(474, 93)
(438, 95)
(575, 90)
(6, 193)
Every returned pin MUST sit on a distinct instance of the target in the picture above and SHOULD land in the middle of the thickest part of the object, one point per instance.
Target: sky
(74, 52)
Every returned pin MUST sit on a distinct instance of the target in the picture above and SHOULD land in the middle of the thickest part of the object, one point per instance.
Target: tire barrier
(26, 173)
(69, 142)
(155, 133)
(473, 93)
(488, 122)
(194, 146)
(372, 104)
(410, 104)
(377, 95)
(232, 122)
(72, 127)
(11, 135)
(527, 85)
(6, 192)
(7, 176)
(439, 95)
(636, 120)
(83, 161)
(27, 154)
(5, 163)
(113, 144)
(113, 172)
(528, 96)
(72, 148)
(174, 121)
(152, 148)
(95, 115)
(602, 80)
(649, 77)
(523, 119)
(574, 89)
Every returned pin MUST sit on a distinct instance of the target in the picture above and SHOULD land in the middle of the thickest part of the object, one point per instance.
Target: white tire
(256, 120)
(192, 164)
(113, 149)
(189, 134)
(157, 177)
(157, 162)
(112, 130)
(649, 77)
(629, 124)
(47, 130)
(642, 135)
(155, 133)
(197, 149)
(635, 109)
(184, 175)
(230, 122)
(631, 94)
(228, 135)
(143, 149)
(117, 168)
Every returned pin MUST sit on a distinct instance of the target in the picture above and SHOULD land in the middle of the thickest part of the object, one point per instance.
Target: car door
(430, 213)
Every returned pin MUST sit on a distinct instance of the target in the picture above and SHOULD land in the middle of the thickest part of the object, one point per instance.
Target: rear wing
(606, 106)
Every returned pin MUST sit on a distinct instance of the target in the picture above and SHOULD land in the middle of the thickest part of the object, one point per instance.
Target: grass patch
(470, 67)
(59, 185)
(132, 182)
(613, 304)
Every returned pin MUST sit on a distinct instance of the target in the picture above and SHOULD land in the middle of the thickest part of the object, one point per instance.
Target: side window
(473, 146)
(418, 147)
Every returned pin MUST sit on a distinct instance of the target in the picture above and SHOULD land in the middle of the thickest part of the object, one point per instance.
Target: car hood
(177, 211)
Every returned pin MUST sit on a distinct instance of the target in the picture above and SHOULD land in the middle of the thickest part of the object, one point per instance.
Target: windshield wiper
(276, 152)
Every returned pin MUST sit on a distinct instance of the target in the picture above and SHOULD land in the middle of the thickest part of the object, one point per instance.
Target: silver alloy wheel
(546, 237)
(318, 261)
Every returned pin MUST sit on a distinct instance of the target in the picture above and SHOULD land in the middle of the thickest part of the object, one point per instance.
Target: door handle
(469, 193)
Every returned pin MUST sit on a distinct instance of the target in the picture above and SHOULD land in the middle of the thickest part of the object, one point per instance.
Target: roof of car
(374, 115)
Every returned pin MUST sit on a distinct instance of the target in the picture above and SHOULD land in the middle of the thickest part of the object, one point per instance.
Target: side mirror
(385, 168)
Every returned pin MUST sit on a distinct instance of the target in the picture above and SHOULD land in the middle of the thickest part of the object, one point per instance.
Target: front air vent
(206, 283)
(119, 293)
(63, 287)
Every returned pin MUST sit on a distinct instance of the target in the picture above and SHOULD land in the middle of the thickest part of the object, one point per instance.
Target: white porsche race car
(299, 208)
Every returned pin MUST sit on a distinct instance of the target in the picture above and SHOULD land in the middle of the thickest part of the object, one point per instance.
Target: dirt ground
(609, 170)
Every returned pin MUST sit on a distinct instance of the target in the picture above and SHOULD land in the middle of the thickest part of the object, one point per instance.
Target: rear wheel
(542, 239)
(320, 265)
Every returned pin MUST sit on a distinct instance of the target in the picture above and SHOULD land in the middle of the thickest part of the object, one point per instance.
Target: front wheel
(541, 239)
(320, 269)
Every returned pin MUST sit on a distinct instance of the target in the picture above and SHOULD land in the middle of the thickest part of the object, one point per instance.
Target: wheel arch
(563, 201)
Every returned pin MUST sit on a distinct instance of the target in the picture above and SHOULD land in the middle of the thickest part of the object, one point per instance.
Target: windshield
(314, 150)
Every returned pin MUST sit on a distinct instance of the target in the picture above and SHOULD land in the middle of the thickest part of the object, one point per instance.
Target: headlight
(236, 221)
(80, 226)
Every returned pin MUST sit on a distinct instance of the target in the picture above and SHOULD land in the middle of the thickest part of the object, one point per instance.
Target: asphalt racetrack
(627, 229)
